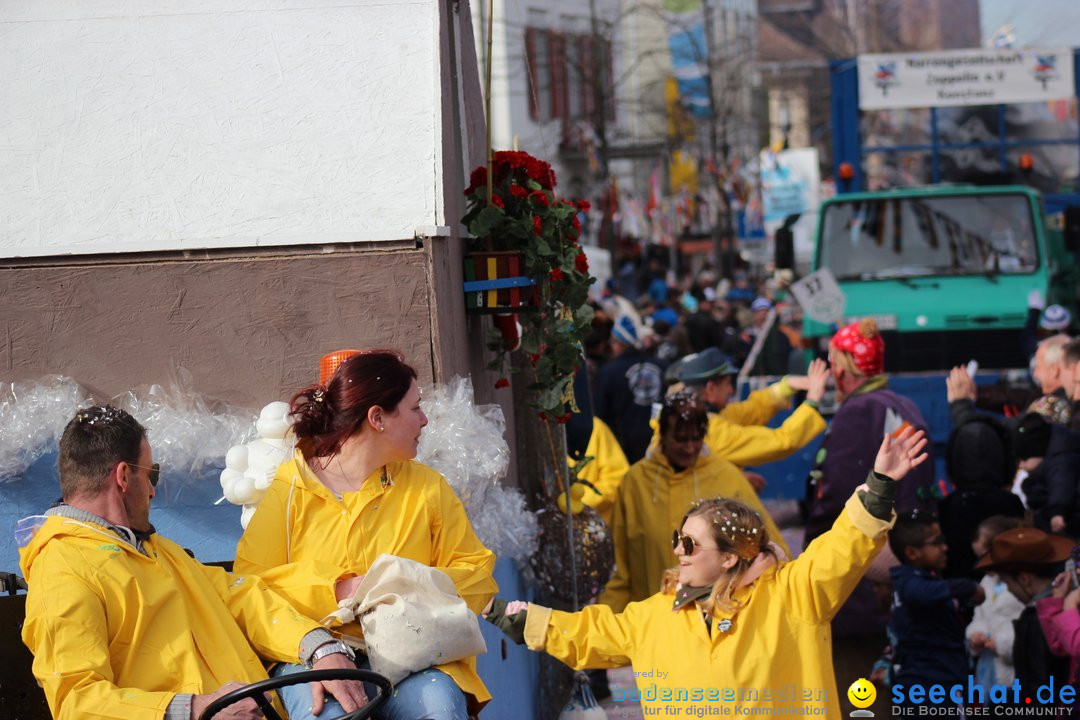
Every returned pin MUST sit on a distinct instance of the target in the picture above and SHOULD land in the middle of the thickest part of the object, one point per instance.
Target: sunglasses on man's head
(155, 472)
(687, 542)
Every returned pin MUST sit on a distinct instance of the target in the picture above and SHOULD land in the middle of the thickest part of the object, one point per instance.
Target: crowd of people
(896, 580)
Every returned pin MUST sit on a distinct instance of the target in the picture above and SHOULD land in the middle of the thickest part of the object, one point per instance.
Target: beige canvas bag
(412, 618)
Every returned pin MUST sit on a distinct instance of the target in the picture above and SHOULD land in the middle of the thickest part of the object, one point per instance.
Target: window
(563, 69)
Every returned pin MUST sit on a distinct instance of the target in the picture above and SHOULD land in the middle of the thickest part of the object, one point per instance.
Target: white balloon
(264, 456)
(284, 445)
(237, 458)
(263, 478)
(244, 490)
(229, 476)
(245, 516)
(230, 491)
(273, 421)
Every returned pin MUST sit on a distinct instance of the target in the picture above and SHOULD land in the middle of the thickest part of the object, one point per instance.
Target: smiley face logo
(862, 693)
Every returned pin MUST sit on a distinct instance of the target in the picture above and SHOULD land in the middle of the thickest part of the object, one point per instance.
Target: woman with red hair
(351, 492)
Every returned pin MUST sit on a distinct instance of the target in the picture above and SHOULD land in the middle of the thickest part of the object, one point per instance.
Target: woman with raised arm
(352, 492)
(732, 631)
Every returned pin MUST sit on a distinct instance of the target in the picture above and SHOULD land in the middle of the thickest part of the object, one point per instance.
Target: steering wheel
(255, 691)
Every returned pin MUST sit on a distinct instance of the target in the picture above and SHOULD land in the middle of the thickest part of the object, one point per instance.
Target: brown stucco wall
(250, 328)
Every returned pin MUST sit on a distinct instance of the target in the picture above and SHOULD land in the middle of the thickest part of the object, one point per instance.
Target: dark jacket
(928, 627)
(1051, 488)
(626, 388)
(962, 512)
(1034, 662)
(847, 456)
(845, 459)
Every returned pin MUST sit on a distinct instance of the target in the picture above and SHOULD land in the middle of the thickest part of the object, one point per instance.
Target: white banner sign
(820, 297)
(964, 77)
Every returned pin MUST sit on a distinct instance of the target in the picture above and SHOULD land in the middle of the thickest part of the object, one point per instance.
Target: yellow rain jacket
(738, 433)
(773, 653)
(116, 634)
(302, 540)
(650, 505)
(606, 471)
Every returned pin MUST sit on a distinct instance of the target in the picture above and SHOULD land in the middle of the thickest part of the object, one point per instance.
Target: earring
(381, 428)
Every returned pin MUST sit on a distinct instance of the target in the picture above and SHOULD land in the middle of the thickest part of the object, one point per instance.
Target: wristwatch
(330, 648)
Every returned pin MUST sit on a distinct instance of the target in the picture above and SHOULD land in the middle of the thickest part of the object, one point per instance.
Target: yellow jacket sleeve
(617, 591)
(272, 626)
(66, 630)
(606, 471)
(760, 406)
(818, 582)
(756, 444)
(263, 551)
(459, 553)
(596, 637)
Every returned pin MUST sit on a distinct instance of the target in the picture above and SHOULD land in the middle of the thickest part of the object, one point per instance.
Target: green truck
(945, 270)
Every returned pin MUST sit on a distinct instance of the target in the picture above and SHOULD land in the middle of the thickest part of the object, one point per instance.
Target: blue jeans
(426, 695)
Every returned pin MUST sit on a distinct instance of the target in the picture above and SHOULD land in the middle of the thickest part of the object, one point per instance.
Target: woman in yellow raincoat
(352, 492)
(732, 632)
(656, 492)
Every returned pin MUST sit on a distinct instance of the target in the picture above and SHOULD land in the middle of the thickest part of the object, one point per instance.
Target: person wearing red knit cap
(868, 411)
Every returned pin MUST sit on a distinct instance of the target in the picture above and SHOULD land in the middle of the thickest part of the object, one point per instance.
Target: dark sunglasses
(155, 472)
(687, 542)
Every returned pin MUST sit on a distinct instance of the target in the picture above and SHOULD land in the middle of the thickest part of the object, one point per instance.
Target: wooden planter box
(494, 284)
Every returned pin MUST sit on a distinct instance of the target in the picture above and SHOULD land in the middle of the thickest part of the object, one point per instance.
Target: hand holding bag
(412, 618)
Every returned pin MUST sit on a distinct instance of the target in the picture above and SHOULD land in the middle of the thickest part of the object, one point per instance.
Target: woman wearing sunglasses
(656, 492)
(350, 493)
(731, 631)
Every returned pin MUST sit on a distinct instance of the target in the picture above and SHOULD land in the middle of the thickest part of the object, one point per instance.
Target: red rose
(498, 202)
(556, 275)
(581, 263)
(534, 358)
(538, 225)
(540, 197)
(576, 223)
(518, 191)
(564, 419)
(477, 179)
(583, 205)
(501, 383)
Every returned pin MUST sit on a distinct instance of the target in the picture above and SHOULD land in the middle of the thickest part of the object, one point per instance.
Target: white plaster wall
(173, 124)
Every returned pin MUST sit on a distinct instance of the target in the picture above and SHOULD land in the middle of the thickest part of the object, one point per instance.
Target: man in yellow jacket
(736, 430)
(655, 493)
(121, 621)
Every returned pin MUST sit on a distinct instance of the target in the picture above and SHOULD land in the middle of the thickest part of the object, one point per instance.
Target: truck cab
(945, 270)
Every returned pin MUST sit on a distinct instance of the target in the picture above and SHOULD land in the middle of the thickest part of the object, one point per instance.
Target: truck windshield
(943, 235)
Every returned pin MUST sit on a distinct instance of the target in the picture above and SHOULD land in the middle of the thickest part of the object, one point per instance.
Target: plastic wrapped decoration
(32, 418)
(465, 443)
(582, 704)
(586, 568)
(186, 433)
(249, 468)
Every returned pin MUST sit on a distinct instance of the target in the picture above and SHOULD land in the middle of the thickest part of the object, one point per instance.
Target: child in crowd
(1027, 559)
(926, 621)
(990, 633)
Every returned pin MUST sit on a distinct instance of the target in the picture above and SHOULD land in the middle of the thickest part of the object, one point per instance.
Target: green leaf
(486, 220)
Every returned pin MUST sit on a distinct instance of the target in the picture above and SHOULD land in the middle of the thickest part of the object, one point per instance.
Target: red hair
(324, 417)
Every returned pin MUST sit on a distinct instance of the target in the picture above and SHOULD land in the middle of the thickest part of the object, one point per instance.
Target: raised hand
(959, 385)
(817, 378)
(898, 456)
